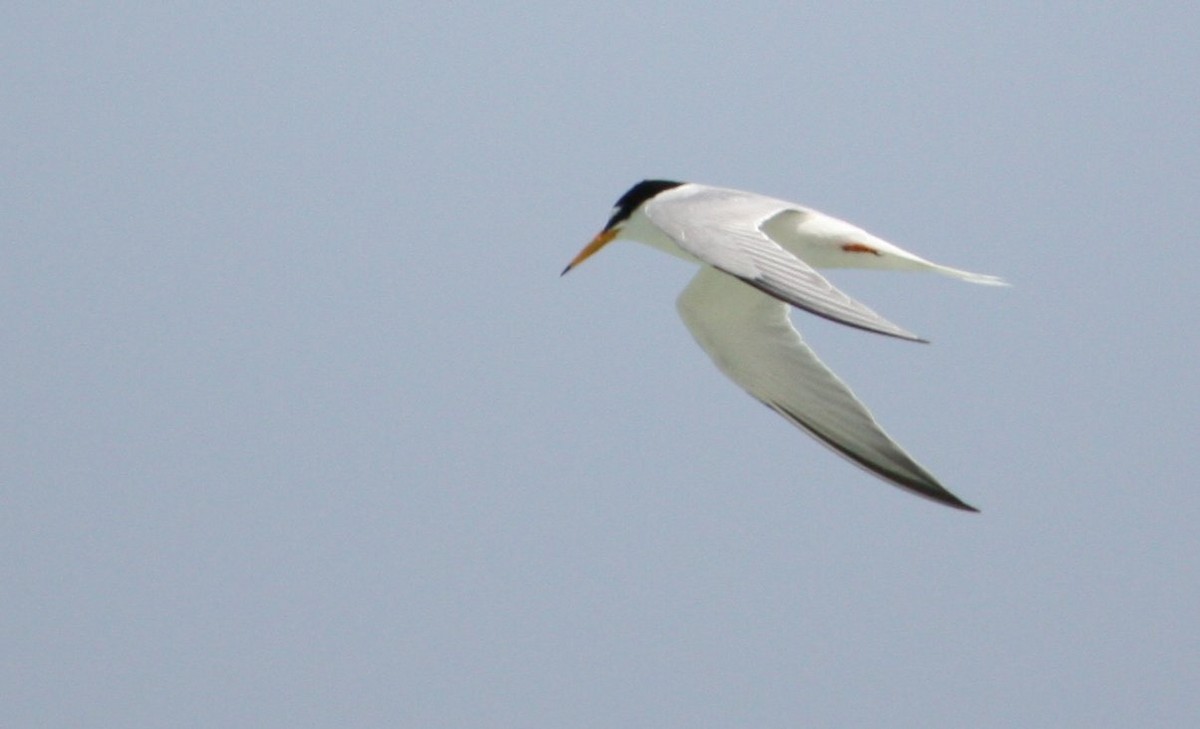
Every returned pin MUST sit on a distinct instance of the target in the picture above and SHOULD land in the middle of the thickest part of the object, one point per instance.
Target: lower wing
(749, 336)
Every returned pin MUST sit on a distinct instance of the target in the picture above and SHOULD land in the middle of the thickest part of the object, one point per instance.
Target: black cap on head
(635, 196)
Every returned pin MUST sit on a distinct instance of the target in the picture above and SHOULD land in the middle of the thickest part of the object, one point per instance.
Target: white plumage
(758, 255)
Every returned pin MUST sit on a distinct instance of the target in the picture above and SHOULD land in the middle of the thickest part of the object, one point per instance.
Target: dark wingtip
(564, 271)
(771, 290)
(942, 496)
(930, 490)
(946, 498)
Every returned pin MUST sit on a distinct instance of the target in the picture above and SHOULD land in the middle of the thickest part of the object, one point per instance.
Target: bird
(758, 258)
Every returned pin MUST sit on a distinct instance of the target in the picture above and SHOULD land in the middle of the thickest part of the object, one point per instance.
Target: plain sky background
(300, 426)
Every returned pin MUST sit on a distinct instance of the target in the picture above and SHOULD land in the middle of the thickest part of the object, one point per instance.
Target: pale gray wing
(723, 229)
(751, 339)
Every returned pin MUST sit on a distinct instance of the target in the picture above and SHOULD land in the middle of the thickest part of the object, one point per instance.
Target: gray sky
(302, 428)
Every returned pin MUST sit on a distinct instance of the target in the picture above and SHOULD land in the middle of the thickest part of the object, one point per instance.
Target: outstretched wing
(723, 229)
(751, 339)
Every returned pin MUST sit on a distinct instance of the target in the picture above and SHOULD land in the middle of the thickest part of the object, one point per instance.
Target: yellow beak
(597, 243)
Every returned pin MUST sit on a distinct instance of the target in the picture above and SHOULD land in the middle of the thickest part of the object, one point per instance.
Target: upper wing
(750, 337)
(723, 229)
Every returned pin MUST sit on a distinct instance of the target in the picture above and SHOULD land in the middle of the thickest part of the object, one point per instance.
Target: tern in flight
(758, 256)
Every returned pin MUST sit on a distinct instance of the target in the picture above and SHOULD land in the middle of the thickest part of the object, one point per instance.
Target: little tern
(758, 256)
